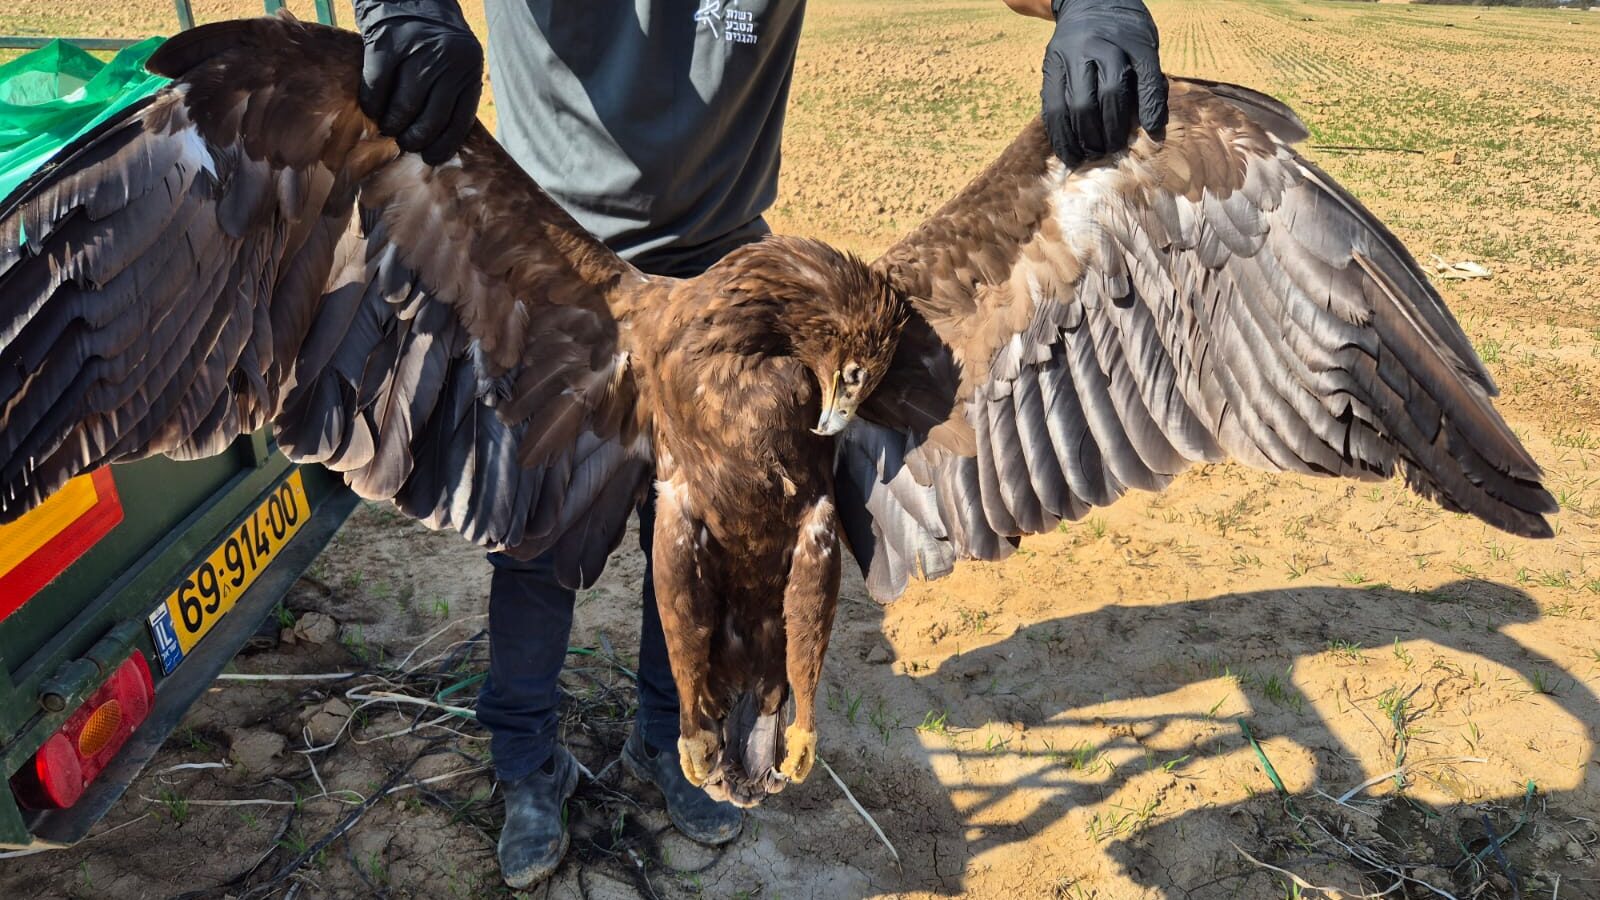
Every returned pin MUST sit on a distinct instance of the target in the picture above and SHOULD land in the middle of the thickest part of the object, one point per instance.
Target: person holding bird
(657, 124)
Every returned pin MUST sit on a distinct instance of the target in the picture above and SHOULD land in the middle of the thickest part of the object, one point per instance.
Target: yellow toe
(802, 753)
(695, 753)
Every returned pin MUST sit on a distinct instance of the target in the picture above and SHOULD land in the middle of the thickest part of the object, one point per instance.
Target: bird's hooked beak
(839, 403)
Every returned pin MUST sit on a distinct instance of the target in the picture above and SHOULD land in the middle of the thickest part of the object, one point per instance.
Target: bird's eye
(852, 373)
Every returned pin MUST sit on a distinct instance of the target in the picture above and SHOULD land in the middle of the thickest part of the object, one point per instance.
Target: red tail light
(71, 758)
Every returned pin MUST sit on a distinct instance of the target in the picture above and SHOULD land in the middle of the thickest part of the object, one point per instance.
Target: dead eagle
(244, 248)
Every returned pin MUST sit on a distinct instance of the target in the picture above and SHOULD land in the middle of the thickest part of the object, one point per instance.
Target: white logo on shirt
(737, 26)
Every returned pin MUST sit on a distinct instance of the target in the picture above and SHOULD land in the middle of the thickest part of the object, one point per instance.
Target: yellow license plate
(203, 598)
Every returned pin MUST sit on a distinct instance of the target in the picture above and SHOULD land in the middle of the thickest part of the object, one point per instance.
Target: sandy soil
(1078, 721)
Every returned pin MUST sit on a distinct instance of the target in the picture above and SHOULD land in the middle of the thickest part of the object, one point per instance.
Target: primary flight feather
(244, 248)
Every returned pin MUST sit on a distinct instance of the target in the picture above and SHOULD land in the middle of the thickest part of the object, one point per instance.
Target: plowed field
(1192, 694)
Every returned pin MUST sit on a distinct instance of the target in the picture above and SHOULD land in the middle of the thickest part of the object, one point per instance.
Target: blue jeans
(530, 618)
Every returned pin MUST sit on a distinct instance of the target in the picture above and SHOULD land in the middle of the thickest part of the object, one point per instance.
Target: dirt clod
(312, 628)
(325, 722)
(257, 750)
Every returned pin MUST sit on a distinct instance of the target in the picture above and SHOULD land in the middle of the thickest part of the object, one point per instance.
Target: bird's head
(845, 380)
(838, 316)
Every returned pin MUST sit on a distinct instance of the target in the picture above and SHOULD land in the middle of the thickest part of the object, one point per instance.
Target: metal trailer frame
(69, 661)
(64, 643)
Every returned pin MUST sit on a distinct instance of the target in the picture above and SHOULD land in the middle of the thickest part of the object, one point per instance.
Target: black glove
(1102, 64)
(422, 73)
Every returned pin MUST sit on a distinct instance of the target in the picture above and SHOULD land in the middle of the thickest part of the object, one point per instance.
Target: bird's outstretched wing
(1209, 296)
(244, 248)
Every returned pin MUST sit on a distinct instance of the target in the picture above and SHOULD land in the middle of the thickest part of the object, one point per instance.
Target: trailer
(125, 594)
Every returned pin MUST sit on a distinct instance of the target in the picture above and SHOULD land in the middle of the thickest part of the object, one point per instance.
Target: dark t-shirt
(656, 123)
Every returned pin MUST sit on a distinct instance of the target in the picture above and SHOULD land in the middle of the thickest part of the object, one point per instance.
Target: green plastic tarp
(55, 93)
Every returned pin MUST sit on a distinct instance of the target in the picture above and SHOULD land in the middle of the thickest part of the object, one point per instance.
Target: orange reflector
(100, 729)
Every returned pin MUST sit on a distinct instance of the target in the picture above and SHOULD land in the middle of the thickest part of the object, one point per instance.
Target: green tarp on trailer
(52, 95)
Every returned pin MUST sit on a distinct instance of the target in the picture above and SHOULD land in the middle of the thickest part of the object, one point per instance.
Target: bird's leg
(687, 622)
(809, 602)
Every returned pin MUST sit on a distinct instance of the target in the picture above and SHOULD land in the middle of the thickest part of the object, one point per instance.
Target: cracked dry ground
(1074, 722)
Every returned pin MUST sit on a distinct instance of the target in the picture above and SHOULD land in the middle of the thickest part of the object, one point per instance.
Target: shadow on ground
(1336, 684)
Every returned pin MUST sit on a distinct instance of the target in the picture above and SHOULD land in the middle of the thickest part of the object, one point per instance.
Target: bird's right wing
(1211, 295)
(244, 248)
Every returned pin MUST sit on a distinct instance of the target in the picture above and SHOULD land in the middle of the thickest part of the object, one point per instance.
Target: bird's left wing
(1208, 296)
(245, 249)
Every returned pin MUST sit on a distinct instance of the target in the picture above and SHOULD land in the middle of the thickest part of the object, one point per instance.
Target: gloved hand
(421, 75)
(1102, 66)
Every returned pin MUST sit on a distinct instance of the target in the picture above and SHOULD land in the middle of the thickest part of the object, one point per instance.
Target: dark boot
(695, 814)
(535, 834)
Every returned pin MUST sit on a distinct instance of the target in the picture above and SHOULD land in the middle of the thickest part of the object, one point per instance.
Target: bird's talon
(697, 756)
(801, 754)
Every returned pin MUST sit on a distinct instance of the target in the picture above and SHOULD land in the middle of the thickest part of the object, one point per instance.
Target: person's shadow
(1061, 674)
